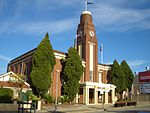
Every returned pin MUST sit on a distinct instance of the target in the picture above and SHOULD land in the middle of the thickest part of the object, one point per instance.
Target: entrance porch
(96, 93)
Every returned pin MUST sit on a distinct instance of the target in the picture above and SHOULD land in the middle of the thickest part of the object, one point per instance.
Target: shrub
(31, 96)
(64, 99)
(48, 99)
(119, 104)
(131, 103)
(6, 95)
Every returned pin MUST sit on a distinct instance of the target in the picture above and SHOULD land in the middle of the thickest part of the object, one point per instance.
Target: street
(80, 108)
(99, 109)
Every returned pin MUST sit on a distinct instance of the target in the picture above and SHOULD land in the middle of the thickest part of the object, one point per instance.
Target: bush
(64, 99)
(119, 104)
(31, 96)
(131, 103)
(6, 95)
(48, 99)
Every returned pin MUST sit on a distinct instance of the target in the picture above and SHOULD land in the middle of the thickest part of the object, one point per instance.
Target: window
(80, 51)
(100, 78)
(91, 76)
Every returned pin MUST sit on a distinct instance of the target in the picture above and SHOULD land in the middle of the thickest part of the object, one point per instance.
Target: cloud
(110, 17)
(40, 27)
(4, 58)
(118, 16)
(136, 63)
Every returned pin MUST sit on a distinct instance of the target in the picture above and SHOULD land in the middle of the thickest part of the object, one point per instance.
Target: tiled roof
(11, 84)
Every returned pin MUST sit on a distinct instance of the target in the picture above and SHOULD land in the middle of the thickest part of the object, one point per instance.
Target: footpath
(71, 108)
(80, 108)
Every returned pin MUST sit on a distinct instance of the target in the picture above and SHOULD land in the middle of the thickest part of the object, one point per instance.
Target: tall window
(91, 59)
(20, 69)
(80, 51)
(91, 76)
(100, 77)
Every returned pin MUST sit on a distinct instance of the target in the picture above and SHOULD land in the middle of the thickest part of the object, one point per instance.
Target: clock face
(92, 33)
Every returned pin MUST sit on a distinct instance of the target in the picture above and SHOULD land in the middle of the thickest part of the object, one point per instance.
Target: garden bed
(119, 104)
(123, 104)
(131, 103)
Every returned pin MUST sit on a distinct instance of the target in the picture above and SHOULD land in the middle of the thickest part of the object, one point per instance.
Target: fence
(141, 98)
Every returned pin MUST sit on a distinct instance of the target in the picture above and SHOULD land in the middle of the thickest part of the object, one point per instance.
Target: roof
(105, 64)
(5, 74)
(30, 53)
(11, 84)
(86, 12)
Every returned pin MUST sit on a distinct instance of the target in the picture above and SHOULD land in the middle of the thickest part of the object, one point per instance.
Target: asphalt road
(138, 109)
(11, 108)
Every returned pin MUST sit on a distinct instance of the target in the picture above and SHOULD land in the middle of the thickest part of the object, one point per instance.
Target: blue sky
(123, 26)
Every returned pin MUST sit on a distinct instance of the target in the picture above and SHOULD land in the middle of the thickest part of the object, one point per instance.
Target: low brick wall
(8, 107)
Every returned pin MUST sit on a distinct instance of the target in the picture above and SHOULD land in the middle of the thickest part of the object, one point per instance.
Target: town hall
(95, 87)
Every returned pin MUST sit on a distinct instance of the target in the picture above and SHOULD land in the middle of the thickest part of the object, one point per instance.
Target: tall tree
(118, 78)
(42, 66)
(129, 76)
(71, 72)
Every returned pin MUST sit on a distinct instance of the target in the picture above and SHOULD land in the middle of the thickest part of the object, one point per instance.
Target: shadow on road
(8, 111)
(129, 111)
(55, 112)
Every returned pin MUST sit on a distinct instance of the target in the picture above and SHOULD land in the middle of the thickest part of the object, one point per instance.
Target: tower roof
(86, 12)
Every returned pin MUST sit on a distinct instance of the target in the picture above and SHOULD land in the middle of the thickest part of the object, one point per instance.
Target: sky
(122, 26)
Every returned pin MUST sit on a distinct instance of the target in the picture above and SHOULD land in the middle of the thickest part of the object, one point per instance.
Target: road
(77, 108)
(100, 109)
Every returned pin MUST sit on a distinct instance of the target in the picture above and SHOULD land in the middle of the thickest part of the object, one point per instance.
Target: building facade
(142, 83)
(94, 83)
(141, 87)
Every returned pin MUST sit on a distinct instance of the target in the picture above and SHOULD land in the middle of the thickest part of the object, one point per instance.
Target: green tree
(129, 76)
(42, 66)
(71, 72)
(118, 78)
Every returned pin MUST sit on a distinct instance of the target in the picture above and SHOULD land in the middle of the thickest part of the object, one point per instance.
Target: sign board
(144, 76)
(103, 88)
(145, 88)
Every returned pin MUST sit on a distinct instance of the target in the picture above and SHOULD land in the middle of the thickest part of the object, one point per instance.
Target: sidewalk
(80, 108)
(73, 108)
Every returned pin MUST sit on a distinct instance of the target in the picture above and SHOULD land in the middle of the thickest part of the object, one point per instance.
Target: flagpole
(101, 53)
(85, 5)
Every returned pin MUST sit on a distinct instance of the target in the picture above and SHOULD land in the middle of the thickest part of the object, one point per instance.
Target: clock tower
(87, 47)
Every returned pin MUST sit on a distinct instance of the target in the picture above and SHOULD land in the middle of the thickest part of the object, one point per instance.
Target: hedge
(123, 104)
(6, 95)
(120, 104)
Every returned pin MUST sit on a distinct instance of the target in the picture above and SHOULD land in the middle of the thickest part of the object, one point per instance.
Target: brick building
(141, 83)
(94, 83)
